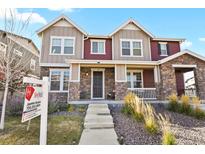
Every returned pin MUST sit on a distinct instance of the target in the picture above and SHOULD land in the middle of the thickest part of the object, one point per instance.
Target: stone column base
(74, 91)
(120, 90)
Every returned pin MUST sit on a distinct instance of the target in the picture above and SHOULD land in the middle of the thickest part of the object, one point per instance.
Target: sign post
(36, 103)
(44, 112)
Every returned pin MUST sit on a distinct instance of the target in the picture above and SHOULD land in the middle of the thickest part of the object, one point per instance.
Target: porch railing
(190, 92)
(145, 93)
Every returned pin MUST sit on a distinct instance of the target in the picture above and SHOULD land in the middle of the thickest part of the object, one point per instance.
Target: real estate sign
(32, 103)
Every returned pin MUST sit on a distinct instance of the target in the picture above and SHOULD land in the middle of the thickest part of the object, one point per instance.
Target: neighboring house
(24, 52)
(82, 66)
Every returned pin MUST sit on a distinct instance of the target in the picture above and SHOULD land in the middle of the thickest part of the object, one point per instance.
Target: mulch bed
(187, 130)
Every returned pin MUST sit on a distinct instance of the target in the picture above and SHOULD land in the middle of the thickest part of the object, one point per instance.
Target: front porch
(112, 81)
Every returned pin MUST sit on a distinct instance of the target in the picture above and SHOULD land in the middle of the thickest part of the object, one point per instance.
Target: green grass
(61, 130)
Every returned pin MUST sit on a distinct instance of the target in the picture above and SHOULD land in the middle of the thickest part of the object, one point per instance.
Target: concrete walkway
(98, 126)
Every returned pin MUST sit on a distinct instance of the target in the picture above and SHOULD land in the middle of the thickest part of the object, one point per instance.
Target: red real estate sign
(32, 103)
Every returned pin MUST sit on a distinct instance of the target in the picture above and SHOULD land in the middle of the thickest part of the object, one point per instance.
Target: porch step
(98, 119)
(101, 125)
(99, 106)
(98, 111)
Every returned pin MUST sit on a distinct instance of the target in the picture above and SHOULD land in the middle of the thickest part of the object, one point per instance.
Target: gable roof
(23, 44)
(58, 19)
(186, 51)
(135, 23)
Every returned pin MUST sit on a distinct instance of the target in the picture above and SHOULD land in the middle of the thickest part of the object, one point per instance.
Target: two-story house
(83, 67)
(23, 53)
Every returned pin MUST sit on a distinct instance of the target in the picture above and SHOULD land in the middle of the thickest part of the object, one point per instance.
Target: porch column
(120, 81)
(74, 84)
(157, 81)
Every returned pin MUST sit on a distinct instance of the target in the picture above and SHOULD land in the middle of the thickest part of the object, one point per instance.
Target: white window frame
(132, 79)
(62, 45)
(98, 41)
(18, 53)
(4, 48)
(61, 79)
(164, 43)
(33, 62)
(131, 47)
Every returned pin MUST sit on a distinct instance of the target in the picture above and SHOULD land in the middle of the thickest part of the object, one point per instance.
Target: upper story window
(62, 45)
(33, 64)
(163, 48)
(131, 48)
(135, 79)
(2, 47)
(97, 46)
(59, 80)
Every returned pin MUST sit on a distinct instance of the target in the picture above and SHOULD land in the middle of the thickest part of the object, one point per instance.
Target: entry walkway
(98, 126)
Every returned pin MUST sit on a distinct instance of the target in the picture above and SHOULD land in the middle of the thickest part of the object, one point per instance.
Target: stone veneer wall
(168, 79)
(85, 82)
(74, 91)
(120, 90)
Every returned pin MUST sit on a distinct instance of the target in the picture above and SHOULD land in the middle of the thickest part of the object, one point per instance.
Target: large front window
(131, 47)
(134, 79)
(59, 80)
(62, 45)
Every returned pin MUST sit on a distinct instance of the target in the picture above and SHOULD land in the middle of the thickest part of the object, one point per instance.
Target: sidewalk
(98, 126)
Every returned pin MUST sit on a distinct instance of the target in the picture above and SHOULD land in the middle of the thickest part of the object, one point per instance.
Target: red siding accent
(148, 77)
(174, 47)
(179, 83)
(106, 56)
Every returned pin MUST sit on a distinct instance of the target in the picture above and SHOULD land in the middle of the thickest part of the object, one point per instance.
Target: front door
(97, 85)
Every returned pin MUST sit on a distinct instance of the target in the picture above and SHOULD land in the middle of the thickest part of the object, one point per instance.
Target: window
(2, 47)
(33, 64)
(134, 79)
(18, 53)
(163, 49)
(59, 80)
(97, 46)
(131, 47)
(62, 45)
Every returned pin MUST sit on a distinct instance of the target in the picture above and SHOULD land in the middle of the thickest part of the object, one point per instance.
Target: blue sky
(176, 23)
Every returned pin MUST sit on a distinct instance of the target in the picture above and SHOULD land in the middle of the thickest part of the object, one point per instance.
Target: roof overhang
(99, 62)
(170, 39)
(135, 23)
(58, 19)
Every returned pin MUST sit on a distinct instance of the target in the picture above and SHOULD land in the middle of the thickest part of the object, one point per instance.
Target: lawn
(62, 129)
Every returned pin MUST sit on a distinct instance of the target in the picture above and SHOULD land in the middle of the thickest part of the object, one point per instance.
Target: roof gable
(180, 54)
(130, 24)
(62, 17)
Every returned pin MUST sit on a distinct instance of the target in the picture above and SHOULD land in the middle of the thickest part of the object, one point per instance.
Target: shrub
(173, 102)
(138, 109)
(167, 137)
(129, 103)
(149, 119)
(70, 108)
(52, 107)
(185, 106)
(197, 113)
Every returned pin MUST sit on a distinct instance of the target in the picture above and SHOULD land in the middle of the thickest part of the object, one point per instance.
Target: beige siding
(120, 73)
(60, 31)
(131, 34)
(75, 72)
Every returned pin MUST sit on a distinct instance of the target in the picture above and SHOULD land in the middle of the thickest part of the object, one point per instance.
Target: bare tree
(12, 66)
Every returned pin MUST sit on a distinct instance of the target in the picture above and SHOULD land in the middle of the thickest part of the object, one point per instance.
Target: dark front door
(97, 84)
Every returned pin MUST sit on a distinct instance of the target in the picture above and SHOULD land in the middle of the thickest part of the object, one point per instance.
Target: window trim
(131, 47)
(161, 50)
(62, 45)
(61, 79)
(91, 46)
(131, 77)
(33, 60)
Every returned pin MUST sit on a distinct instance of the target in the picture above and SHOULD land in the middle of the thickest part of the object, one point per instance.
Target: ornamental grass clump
(150, 119)
(138, 109)
(185, 105)
(168, 137)
(129, 100)
(198, 113)
(173, 102)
